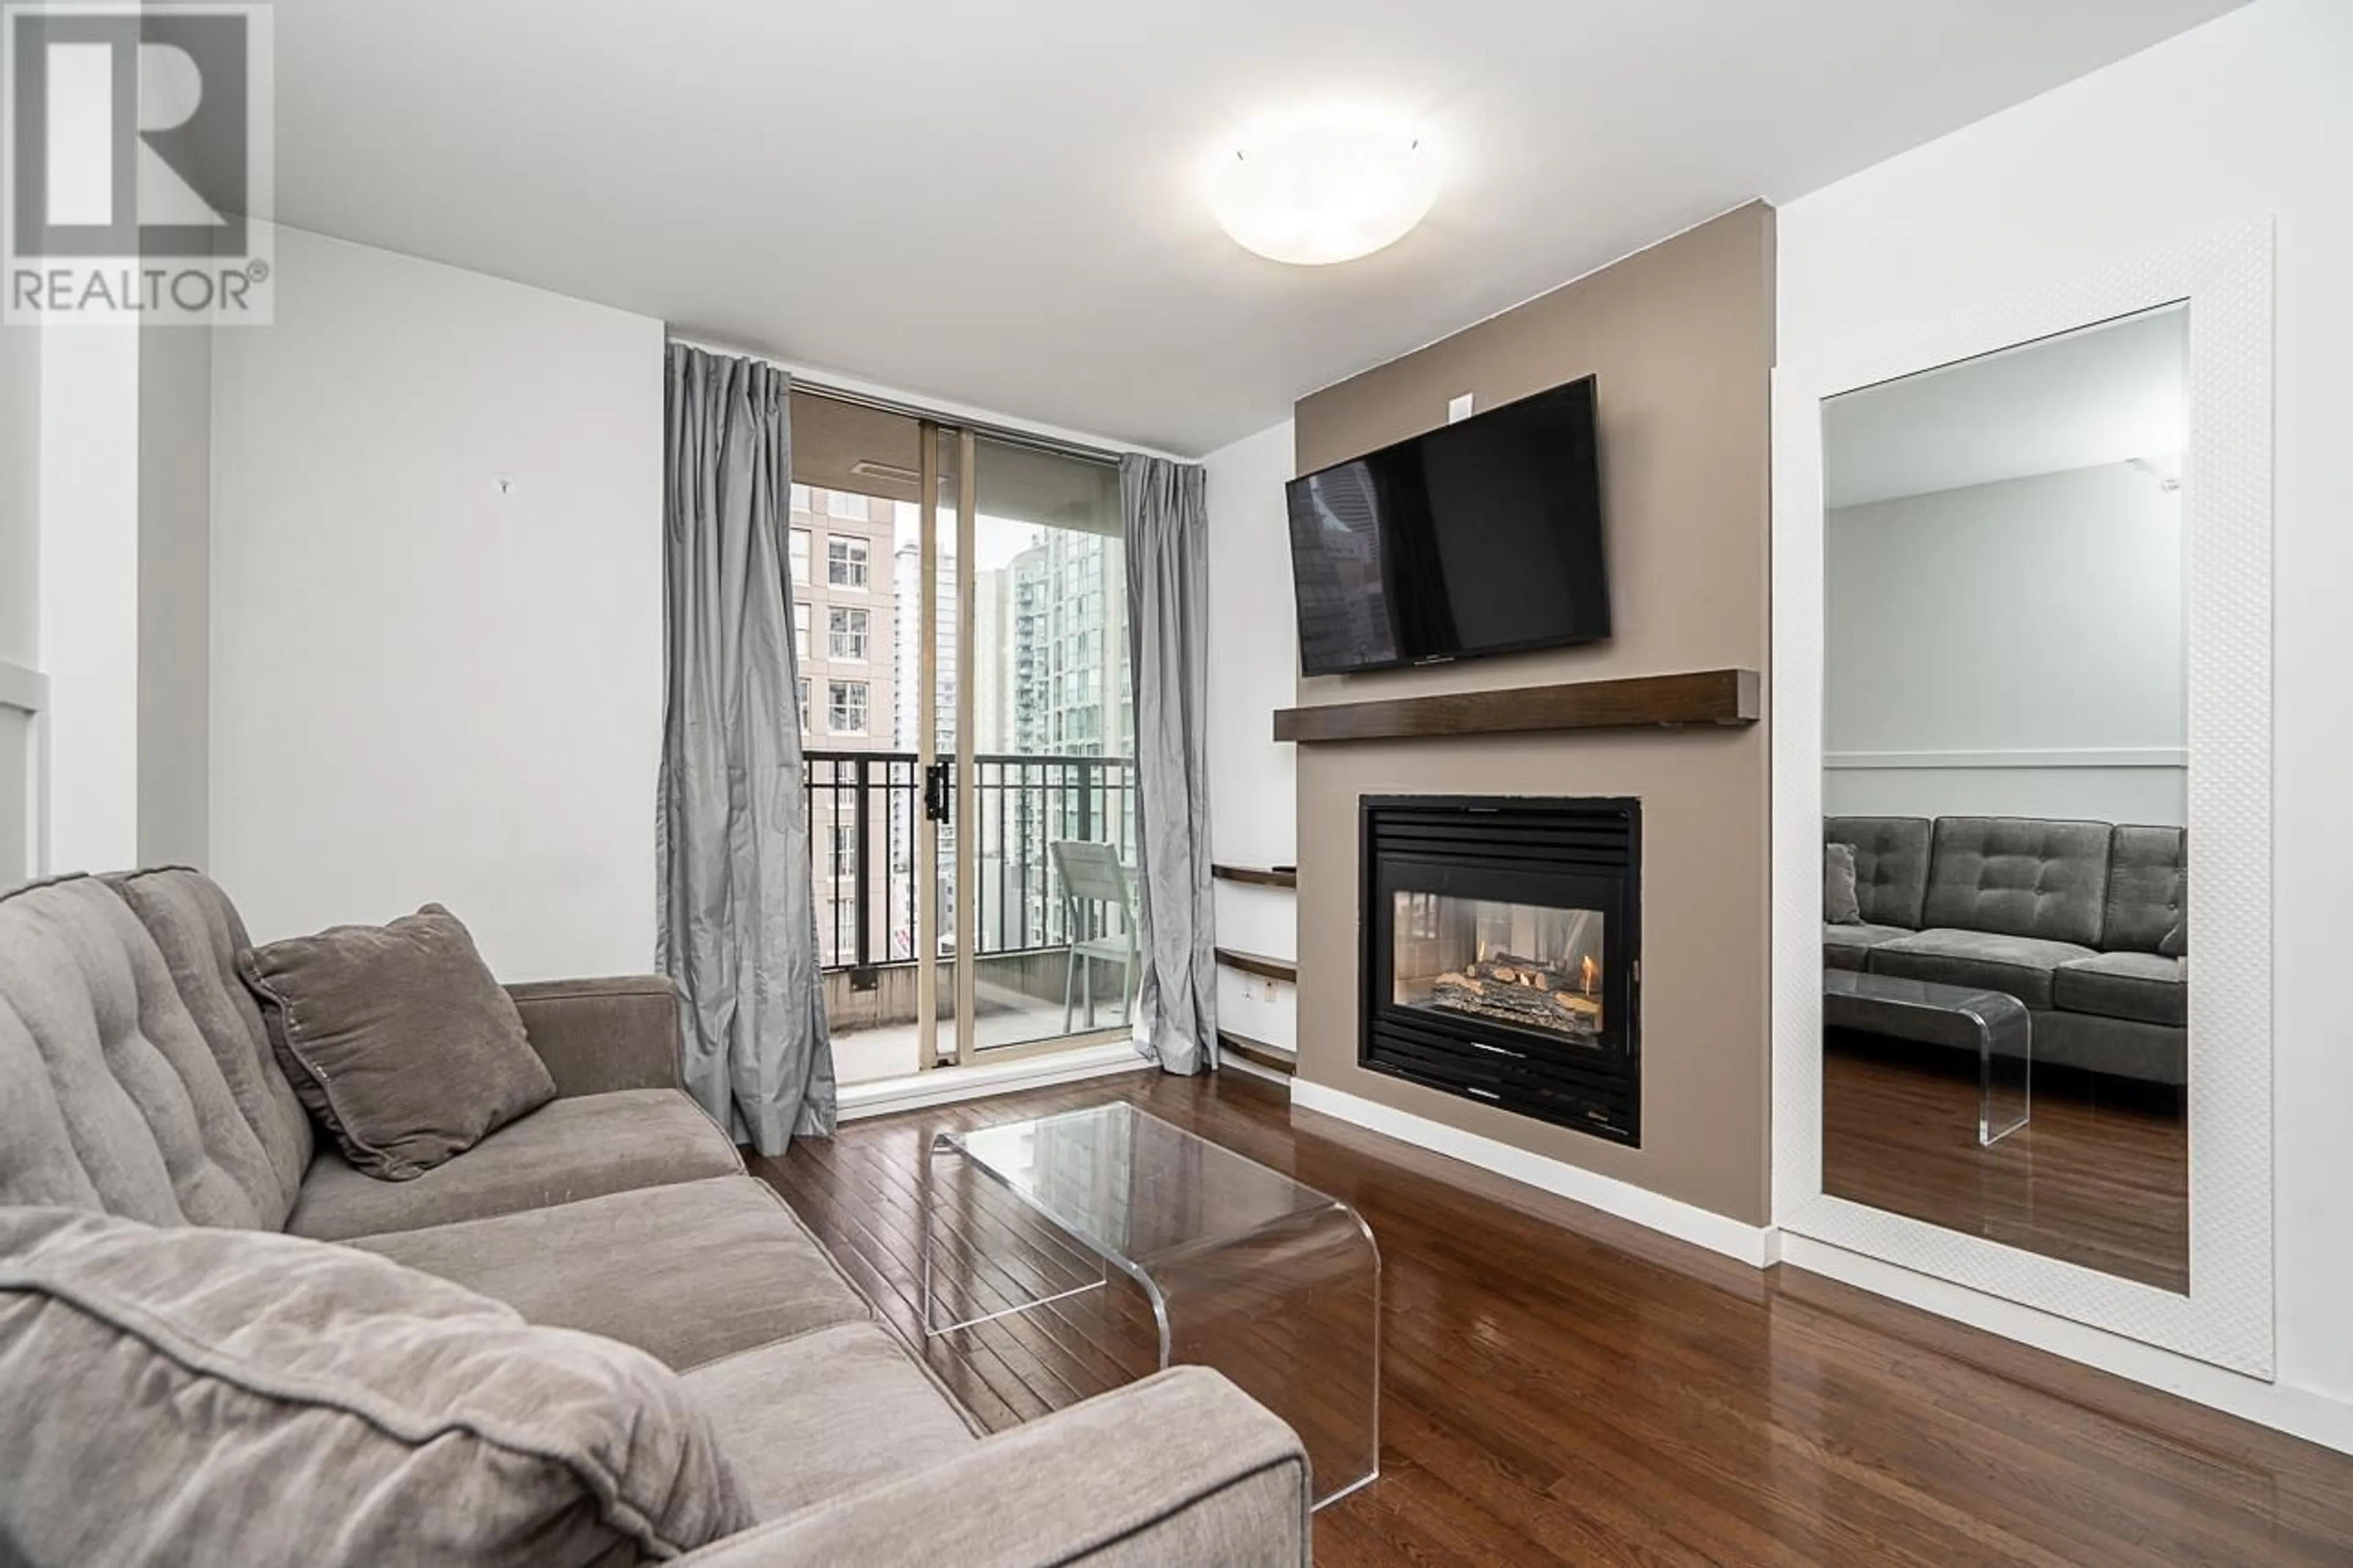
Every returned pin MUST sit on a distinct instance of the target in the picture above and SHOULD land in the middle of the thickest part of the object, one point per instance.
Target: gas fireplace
(1502, 955)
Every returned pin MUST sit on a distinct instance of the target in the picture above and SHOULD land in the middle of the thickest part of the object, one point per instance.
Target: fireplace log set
(1525, 992)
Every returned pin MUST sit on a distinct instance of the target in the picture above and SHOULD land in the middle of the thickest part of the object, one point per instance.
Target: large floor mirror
(2005, 795)
(2021, 670)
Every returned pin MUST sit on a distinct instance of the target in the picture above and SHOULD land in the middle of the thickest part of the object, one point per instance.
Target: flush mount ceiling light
(1324, 189)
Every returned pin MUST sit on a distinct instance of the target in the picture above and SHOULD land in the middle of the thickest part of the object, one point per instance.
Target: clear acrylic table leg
(2005, 1066)
(1292, 1314)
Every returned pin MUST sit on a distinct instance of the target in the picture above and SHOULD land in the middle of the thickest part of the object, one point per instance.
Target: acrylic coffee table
(1243, 1269)
(1994, 1025)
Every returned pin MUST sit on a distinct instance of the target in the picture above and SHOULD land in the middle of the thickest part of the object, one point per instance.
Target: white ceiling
(2106, 394)
(1001, 205)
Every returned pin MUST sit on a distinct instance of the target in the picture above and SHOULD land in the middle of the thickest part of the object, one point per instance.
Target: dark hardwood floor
(2099, 1175)
(1563, 1386)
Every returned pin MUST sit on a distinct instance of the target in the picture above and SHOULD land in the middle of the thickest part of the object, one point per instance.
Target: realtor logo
(136, 148)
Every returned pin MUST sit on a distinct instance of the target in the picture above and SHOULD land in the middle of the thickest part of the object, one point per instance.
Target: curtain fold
(736, 908)
(1164, 509)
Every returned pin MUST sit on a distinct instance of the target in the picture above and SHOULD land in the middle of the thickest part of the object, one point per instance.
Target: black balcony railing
(866, 812)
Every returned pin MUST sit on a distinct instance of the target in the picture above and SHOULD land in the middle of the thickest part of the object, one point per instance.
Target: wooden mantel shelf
(1697, 697)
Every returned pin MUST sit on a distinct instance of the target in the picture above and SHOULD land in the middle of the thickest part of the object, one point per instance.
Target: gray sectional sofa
(2072, 917)
(136, 1080)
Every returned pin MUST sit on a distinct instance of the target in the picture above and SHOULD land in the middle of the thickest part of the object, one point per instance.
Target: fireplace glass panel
(1525, 964)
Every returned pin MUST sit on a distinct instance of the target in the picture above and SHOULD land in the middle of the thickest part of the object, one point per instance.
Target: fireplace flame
(1592, 972)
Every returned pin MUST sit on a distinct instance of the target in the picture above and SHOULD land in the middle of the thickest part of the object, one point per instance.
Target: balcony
(865, 816)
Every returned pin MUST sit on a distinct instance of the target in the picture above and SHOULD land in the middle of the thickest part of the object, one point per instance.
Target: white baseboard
(1753, 1245)
(945, 1086)
(2300, 1413)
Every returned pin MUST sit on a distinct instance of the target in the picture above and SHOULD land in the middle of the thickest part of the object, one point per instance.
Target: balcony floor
(1005, 1018)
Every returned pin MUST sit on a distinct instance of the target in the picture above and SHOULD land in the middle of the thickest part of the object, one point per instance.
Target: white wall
(90, 594)
(2011, 648)
(2245, 117)
(20, 494)
(1253, 670)
(423, 688)
(20, 591)
(175, 433)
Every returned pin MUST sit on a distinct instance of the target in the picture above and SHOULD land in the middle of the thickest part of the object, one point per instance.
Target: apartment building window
(845, 633)
(837, 504)
(845, 562)
(845, 707)
(800, 498)
(804, 706)
(799, 551)
(800, 629)
(841, 854)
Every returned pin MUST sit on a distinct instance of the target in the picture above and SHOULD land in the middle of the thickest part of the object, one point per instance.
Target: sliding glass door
(1047, 786)
(960, 605)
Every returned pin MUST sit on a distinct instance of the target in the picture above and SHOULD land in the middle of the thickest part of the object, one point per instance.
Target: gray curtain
(1165, 508)
(737, 912)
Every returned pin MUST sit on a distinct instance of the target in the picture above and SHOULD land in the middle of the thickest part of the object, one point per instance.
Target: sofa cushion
(2148, 870)
(2019, 876)
(2143, 986)
(825, 1414)
(599, 1035)
(211, 1395)
(1846, 947)
(582, 1147)
(1840, 905)
(1891, 865)
(2019, 966)
(110, 1098)
(2125, 1047)
(398, 1039)
(688, 1273)
(199, 933)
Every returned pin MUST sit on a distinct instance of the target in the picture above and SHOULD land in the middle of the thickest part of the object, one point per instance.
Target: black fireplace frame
(1586, 850)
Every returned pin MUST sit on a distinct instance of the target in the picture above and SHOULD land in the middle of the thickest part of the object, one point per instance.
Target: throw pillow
(1841, 904)
(216, 1396)
(398, 1039)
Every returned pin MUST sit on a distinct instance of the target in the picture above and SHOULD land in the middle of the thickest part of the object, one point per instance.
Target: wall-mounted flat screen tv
(1483, 537)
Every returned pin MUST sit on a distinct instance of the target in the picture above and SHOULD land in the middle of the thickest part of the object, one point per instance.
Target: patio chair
(1093, 884)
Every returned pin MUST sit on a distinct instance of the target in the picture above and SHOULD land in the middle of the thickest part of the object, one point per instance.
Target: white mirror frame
(2226, 1317)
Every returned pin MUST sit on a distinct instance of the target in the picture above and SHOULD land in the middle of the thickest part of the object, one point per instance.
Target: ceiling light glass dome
(1326, 189)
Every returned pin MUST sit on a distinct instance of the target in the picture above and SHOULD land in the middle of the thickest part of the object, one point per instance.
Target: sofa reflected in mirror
(2058, 1123)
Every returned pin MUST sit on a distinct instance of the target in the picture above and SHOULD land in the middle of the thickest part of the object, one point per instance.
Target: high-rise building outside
(1050, 697)
(845, 638)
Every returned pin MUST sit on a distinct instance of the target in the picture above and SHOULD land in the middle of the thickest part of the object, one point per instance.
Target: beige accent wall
(1681, 336)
